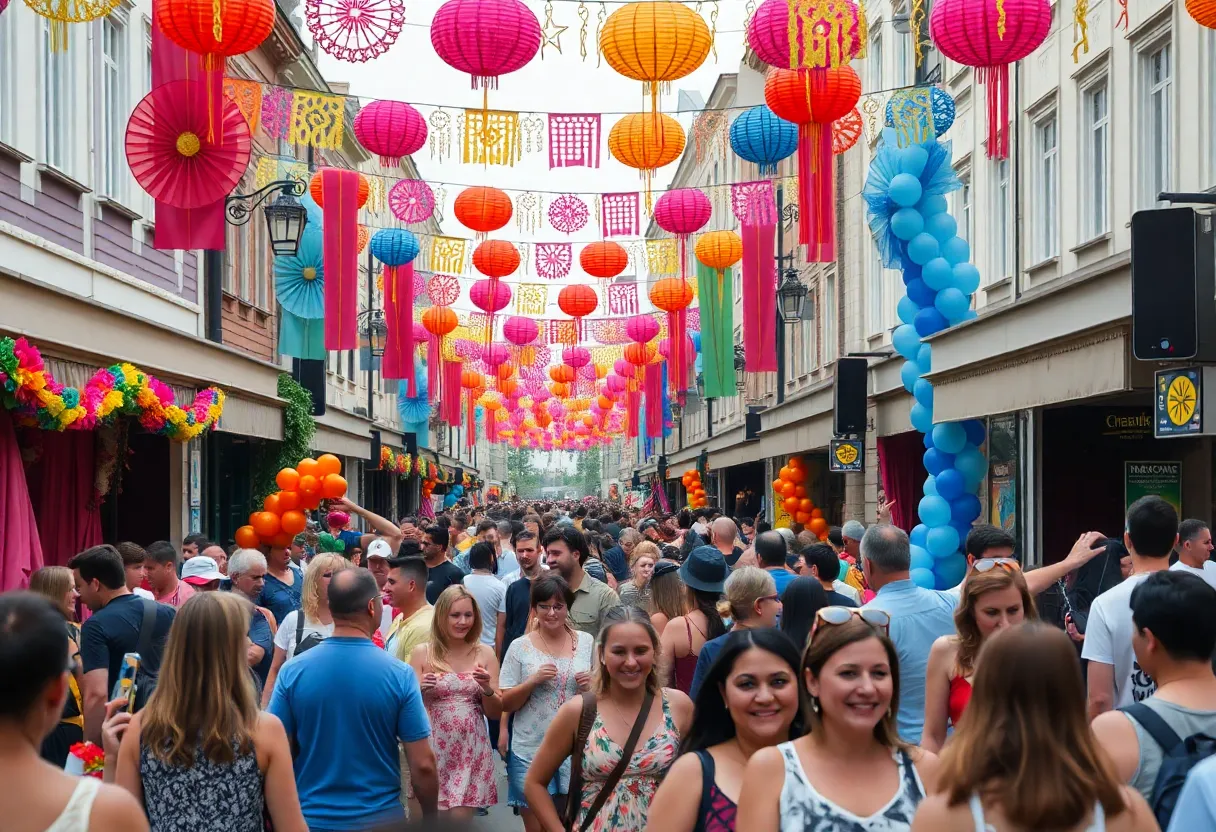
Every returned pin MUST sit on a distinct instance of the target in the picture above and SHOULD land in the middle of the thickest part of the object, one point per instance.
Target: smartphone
(125, 685)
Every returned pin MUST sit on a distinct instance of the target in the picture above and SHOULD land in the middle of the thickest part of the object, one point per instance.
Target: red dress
(960, 695)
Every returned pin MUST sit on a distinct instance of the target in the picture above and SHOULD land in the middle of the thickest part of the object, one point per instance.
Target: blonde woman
(201, 756)
(459, 681)
(56, 584)
(636, 590)
(308, 626)
(750, 601)
(668, 595)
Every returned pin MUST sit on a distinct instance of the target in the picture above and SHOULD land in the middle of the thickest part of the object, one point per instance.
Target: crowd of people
(695, 672)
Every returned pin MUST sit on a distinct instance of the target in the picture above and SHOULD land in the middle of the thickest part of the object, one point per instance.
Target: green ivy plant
(299, 427)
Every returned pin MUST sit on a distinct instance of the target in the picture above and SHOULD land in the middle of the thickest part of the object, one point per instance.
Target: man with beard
(566, 551)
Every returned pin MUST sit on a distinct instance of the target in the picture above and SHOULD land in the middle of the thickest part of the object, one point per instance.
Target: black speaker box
(849, 407)
(310, 374)
(1173, 285)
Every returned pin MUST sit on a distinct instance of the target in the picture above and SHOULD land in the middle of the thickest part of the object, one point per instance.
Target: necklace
(624, 721)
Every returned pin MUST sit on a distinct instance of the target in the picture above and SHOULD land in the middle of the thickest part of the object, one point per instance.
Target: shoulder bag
(574, 800)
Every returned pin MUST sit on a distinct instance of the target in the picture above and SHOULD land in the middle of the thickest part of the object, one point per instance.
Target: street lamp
(677, 411)
(373, 327)
(700, 385)
(791, 296)
(740, 369)
(285, 216)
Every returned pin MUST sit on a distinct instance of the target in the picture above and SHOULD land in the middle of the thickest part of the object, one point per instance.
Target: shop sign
(846, 456)
(1126, 422)
(1003, 452)
(1177, 402)
(1162, 478)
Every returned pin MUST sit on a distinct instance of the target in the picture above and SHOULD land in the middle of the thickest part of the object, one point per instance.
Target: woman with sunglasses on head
(851, 773)
(993, 597)
(1024, 757)
(621, 736)
(311, 624)
(542, 670)
(751, 602)
(755, 681)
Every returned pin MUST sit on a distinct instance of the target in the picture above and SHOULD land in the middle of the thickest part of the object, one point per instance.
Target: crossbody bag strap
(626, 758)
(143, 645)
(574, 794)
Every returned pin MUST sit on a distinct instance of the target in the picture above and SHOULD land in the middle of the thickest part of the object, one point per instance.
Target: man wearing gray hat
(852, 532)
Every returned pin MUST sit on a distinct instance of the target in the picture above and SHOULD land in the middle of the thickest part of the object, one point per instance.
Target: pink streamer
(449, 403)
(677, 356)
(399, 317)
(654, 400)
(759, 298)
(633, 406)
(20, 546)
(996, 80)
(341, 257)
(816, 193)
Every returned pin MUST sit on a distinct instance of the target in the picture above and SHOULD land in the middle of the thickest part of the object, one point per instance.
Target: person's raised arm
(937, 694)
(282, 799)
(554, 748)
(127, 774)
(386, 529)
(675, 805)
(1082, 552)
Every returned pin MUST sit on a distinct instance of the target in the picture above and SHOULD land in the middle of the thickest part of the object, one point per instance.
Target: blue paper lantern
(904, 190)
(760, 136)
(951, 438)
(933, 511)
(941, 106)
(394, 246)
(937, 461)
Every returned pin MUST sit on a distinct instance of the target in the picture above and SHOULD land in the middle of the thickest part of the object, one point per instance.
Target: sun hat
(705, 569)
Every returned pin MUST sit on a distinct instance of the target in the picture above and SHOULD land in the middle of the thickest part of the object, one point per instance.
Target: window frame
(828, 325)
(56, 139)
(112, 105)
(1000, 225)
(1095, 213)
(1153, 178)
(1046, 172)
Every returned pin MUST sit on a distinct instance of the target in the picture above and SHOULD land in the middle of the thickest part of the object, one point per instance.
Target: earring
(889, 713)
(814, 704)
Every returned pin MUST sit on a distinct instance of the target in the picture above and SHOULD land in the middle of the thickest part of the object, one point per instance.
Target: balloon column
(301, 489)
(904, 193)
(696, 491)
(790, 489)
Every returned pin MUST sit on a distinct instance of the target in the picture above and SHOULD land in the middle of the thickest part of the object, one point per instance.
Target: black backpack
(304, 642)
(1179, 756)
(145, 677)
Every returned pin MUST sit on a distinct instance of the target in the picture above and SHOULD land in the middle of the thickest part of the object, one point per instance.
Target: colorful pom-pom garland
(38, 400)
(400, 464)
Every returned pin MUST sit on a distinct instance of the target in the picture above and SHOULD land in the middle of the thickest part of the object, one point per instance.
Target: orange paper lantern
(646, 142)
(318, 196)
(604, 260)
(671, 294)
(439, 320)
(820, 97)
(654, 41)
(483, 209)
(638, 354)
(496, 258)
(719, 250)
(577, 300)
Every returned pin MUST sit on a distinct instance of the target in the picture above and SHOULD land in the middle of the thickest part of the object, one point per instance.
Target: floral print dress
(461, 742)
(627, 808)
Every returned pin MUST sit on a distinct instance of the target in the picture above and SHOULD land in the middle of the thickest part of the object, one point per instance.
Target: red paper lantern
(818, 97)
(496, 258)
(215, 30)
(391, 130)
(483, 209)
(638, 354)
(470, 379)
(577, 300)
(604, 260)
(318, 195)
(671, 294)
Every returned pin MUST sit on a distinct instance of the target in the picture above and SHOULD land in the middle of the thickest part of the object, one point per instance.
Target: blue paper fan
(299, 281)
(414, 408)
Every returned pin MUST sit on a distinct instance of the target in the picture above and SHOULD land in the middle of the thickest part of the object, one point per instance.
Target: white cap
(379, 549)
(201, 570)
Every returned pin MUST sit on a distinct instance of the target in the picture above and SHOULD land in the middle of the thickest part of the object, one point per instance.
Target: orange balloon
(265, 524)
(816, 512)
(798, 475)
(288, 501)
(699, 493)
(785, 473)
(309, 485)
(805, 505)
(247, 537)
(790, 505)
(294, 522)
(788, 489)
(308, 467)
(795, 462)
(818, 526)
(333, 486)
(802, 517)
(800, 491)
(777, 484)
(281, 540)
(271, 504)
(328, 464)
(288, 479)
(310, 502)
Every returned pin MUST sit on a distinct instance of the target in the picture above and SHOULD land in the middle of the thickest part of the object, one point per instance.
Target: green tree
(587, 472)
(522, 473)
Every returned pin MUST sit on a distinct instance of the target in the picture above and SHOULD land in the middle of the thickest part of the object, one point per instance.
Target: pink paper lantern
(391, 130)
(485, 38)
(420, 334)
(576, 357)
(832, 39)
(490, 295)
(641, 328)
(520, 330)
(976, 33)
(615, 384)
(494, 355)
(623, 368)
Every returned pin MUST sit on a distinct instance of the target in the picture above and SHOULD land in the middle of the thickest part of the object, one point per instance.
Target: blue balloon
(956, 250)
(909, 374)
(394, 246)
(942, 226)
(912, 161)
(929, 488)
(963, 530)
(922, 248)
(950, 484)
(924, 578)
(950, 570)
(921, 418)
(929, 321)
(921, 294)
(965, 509)
(966, 278)
(933, 511)
(970, 315)
(937, 274)
(975, 431)
(950, 437)
(905, 340)
(906, 309)
(970, 462)
(917, 537)
(759, 135)
(933, 204)
(952, 303)
(923, 392)
(937, 461)
(921, 559)
(942, 541)
(924, 359)
(904, 190)
(906, 223)
(928, 440)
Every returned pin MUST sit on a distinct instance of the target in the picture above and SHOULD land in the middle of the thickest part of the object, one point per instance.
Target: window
(1156, 154)
(829, 319)
(1095, 156)
(962, 212)
(1002, 261)
(1046, 189)
(874, 292)
(8, 80)
(57, 107)
(901, 60)
(147, 87)
(113, 107)
(874, 59)
(810, 351)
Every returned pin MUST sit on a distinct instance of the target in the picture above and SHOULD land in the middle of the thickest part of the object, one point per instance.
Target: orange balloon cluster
(301, 489)
(790, 488)
(696, 491)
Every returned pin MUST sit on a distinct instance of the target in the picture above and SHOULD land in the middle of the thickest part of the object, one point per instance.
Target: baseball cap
(201, 570)
(853, 529)
(379, 549)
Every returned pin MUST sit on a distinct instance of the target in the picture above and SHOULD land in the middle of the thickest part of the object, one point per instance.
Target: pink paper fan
(355, 30)
(444, 289)
(411, 200)
(177, 154)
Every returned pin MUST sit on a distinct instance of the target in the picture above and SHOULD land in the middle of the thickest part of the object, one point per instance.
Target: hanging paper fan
(414, 408)
(444, 289)
(411, 200)
(846, 131)
(299, 281)
(170, 153)
(355, 30)
(568, 213)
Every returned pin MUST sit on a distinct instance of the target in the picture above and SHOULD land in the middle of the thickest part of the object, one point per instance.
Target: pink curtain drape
(901, 470)
(62, 490)
(20, 546)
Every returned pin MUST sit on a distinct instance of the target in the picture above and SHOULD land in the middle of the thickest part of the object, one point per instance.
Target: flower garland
(38, 400)
(400, 464)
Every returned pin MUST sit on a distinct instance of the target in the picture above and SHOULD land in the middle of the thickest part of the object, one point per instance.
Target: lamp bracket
(239, 207)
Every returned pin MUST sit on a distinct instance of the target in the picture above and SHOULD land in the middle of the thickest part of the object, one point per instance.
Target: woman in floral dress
(459, 680)
(626, 672)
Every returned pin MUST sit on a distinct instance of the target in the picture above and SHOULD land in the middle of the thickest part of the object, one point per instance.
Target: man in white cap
(202, 573)
(379, 552)
(852, 532)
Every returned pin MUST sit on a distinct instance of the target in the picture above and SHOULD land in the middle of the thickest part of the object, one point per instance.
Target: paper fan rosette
(299, 281)
(178, 155)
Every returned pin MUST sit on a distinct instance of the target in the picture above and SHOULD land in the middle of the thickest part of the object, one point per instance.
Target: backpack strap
(146, 628)
(574, 798)
(1157, 727)
(622, 765)
(707, 788)
(299, 629)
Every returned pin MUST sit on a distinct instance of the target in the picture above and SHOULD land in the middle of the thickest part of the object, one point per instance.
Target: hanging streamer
(553, 260)
(341, 234)
(717, 332)
(574, 140)
(447, 254)
(398, 360)
(759, 297)
(491, 137)
(623, 298)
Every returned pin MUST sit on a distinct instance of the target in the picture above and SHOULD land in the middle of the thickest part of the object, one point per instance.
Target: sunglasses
(763, 598)
(835, 616)
(988, 564)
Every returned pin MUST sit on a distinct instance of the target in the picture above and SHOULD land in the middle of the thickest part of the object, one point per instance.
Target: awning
(249, 418)
(341, 433)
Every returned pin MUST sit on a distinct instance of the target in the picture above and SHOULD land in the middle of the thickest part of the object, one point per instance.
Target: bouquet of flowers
(86, 759)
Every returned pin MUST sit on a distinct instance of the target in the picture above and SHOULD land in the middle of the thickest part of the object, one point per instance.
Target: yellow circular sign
(846, 454)
(1180, 400)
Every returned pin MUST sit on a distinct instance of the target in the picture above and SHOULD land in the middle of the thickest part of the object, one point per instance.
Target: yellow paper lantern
(719, 250)
(655, 42)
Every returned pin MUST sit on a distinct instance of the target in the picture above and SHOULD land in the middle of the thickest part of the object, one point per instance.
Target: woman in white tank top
(1023, 757)
(37, 796)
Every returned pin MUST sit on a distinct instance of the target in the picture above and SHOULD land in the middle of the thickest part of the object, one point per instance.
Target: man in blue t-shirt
(345, 705)
(771, 551)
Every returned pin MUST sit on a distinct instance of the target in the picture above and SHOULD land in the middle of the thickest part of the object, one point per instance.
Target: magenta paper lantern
(682, 211)
(615, 384)
(490, 295)
(978, 34)
(420, 333)
(665, 347)
(391, 130)
(831, 39)
(494, 355)
(485, 38)
(642, 328)
(520, 330)
(576, 357)
(623, 368)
